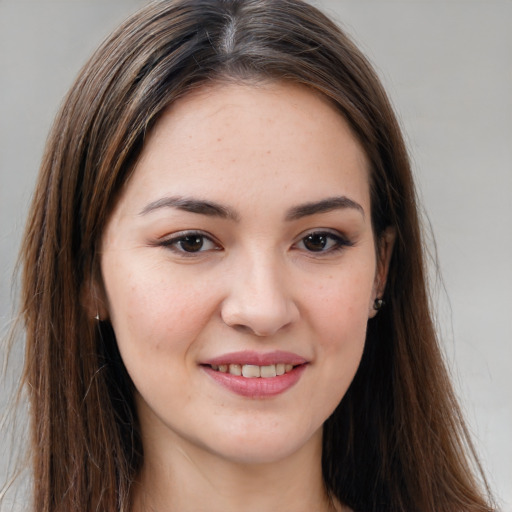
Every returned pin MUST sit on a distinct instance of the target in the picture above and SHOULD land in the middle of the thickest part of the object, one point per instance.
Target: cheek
(151, 308)
(341, 302)
(338, 317)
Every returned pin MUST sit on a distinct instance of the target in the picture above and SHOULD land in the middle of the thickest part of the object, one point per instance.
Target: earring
(97, 317)
(378, 304)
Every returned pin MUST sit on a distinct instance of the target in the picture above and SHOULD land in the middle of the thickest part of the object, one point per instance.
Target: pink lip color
(258, 387)
(256, 358)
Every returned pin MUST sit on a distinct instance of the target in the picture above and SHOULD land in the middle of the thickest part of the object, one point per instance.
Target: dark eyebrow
(213, 209)
(323, 206)
(192, 205)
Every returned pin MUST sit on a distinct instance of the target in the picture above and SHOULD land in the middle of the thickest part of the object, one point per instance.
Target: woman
(224, 288)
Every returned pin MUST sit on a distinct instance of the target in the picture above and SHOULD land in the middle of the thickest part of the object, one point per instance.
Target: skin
(254, 284)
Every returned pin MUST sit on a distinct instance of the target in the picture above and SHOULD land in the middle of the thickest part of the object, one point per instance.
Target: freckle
(268, 152)
(219, 139)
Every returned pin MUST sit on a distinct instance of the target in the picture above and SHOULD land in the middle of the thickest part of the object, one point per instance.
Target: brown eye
(322, 242)
(189, 244)
(316, 242)
(192, 243)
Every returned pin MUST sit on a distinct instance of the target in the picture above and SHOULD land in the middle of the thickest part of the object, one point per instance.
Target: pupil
(315, 242)
(192, 243)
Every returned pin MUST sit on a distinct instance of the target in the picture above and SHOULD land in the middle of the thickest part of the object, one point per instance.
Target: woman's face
(242, 244)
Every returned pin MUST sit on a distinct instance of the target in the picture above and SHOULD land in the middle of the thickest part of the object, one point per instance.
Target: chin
(256, 446)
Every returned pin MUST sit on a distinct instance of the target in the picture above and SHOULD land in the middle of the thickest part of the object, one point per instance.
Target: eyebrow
(192, 205)
(325, 205)
(213, 209)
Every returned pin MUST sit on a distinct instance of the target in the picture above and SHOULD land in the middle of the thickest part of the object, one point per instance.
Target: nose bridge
(259, 299)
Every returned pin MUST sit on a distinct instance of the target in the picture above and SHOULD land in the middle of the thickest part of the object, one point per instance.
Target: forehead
(239, 141)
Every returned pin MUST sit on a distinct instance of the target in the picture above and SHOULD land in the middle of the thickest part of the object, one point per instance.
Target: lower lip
(258, 387)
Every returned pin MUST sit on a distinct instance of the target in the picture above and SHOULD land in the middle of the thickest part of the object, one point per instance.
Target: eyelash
(338, 243)
(179, 238)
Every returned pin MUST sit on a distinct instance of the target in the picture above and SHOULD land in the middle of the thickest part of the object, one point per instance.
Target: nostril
(244, 329)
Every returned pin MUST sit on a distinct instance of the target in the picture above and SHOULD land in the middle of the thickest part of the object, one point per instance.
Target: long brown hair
(397, 441)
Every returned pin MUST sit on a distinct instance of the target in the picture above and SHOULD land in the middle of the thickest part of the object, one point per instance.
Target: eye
(322, 242)
(190, 243)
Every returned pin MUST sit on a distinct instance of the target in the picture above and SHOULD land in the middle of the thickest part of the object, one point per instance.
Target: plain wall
(447, 66)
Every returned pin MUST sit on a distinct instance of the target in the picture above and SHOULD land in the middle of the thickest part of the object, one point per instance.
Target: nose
(258, 301)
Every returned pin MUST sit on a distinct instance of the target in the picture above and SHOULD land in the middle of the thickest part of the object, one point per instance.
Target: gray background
(448, 68)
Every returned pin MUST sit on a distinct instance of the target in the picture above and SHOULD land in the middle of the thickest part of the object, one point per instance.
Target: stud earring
(97, 317)
(378, 304)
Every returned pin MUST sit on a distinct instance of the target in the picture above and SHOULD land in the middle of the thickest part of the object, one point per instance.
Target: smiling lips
(255, 375)
(251, 371)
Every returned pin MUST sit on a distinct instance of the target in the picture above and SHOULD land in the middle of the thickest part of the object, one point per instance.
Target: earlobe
(385, 243)
(94, 299)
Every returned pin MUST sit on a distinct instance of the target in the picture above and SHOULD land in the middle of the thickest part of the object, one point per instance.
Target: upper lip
(257, 358)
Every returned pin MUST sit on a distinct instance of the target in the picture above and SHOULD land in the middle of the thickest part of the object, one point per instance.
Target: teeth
(235, 369)
(252, 371)
(268, 371)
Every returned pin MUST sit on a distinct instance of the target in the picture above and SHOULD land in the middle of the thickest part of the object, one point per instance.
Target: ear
(94, 299)
(385, 245)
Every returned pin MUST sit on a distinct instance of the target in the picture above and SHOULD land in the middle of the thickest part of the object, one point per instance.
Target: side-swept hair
(397, 441)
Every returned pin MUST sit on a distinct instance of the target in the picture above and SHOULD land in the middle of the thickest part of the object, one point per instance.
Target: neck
(185, 478)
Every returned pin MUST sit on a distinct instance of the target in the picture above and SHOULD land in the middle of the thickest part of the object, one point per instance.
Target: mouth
(256, 375)
(252, 371)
